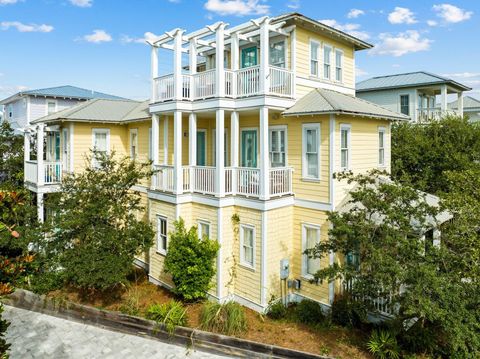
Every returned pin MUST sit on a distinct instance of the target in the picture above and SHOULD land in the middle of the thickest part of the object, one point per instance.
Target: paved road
(35, 335)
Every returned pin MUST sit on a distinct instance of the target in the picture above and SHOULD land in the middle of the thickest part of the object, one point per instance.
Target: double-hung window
(338, 65)
(133, 143)
(247, 245)
(203, 229)
(345, 147)
(381, 146)
(310, 238)
(405, 104)
(311, 151)
(277, 146)
(277, 53)
(327, 61)
(314, 57)
(162, 243)
(51, 107)
(101, 144)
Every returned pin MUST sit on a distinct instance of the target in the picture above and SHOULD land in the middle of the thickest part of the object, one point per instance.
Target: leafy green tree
(386, 255)
(11, 157)
(423, 153)
(95, 231)
(191, 262)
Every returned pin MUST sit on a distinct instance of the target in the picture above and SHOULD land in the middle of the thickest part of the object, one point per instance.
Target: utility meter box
(284, 268)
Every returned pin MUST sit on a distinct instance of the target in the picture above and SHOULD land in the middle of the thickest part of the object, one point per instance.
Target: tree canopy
(11, 157)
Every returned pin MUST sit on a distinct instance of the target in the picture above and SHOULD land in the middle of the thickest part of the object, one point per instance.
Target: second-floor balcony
(237, 84)
(433, 114)
(47, 173)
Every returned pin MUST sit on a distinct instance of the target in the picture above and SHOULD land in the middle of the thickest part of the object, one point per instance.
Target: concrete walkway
(35, 335)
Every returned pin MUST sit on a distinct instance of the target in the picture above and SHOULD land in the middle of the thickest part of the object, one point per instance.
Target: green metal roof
(322, 101)
(411, 79)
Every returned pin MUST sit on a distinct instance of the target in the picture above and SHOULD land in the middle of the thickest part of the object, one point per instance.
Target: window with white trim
(277, 141)
(310, 238)
(133, 143)
(162, 237)
(345, 147)
(381, 146)
(311, 151)
(51, 107)
(405, 104)
(10, 111)
(277, 53)
(100, 145)
(314, 57)
(247, 245)
(339, 65)
(203, 229)
(327, 61)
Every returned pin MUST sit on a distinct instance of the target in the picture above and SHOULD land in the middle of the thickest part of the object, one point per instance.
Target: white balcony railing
(432, 114)
(165, 88)
(248, 181)
(281, 81)
(229, 83)
(248, 81)
(163, 178)
(31, 171)
(51, 172)
(281, 181)
(204, 84)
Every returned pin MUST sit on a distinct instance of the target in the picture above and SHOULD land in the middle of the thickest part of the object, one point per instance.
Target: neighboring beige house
(413, 94)
(259, 137)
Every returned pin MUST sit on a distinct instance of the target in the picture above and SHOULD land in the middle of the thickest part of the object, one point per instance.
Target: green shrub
(383, 345)
(309, 312)
(348, 312)
(228, 318)
(277, 310)
(190, 260)
(426, 338)
(171, 314)
(131, 305)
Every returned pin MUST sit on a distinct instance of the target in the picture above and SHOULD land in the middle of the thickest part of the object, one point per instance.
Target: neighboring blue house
(413, 94)
(22, 108)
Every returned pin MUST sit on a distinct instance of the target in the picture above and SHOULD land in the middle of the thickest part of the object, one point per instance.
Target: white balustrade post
(154, 72)
(220, 155)
(177, 152)
(443, 98)
(155, 138)
(192, 147)
(264, 158)
(177, 64)
(40, 169)
(460, 103)
(219, 59)
(193, 65)
(235, 53)
(264, 57)
(234, 143)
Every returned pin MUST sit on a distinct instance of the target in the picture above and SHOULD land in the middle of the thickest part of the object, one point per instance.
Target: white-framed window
(405, 104)
(327, 61)
(247, 245)
(203, 229)
(345, 155)
(338, 65)
(277, 141)
(51, 106)
(311, 151)
(310, 238)
(381, 146)
(100, 143)
(225, 147)
(314, 57)
(277, 53)
(133, 143)
(10, 111)
(162, 235)
(150, 144)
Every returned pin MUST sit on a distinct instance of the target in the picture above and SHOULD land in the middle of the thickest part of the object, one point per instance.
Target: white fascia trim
(332, 126)
(319, 206)
(263, 264)
(323, 84)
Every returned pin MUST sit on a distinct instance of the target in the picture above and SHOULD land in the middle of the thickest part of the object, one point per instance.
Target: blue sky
(97, 44)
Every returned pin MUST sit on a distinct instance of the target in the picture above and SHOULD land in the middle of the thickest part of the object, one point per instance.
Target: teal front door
(249, 57)
(249, 148)
(201, 148)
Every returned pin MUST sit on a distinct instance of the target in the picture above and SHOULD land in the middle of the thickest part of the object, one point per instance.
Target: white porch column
(234, 147)
(177, 152)
(192, 64)
(71, 144)
(235, 53)
(192, 147)
(219, 59)
(165, 140)
(154, 72)
(40, 211)
(220, 155)
(264, 160)
(460, 103)
(40, 170)
(155, 137)
(177, 64)
(416, 107)
(443, 98)
(264, 57)
(26, 146)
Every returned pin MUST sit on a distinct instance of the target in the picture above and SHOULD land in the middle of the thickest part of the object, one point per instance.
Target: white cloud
(463, 75)
(82, 3)
(402, 15)
(98, 36)
(359, 72)
(293, 4)
(237, 7)
(5, 25)
(8, 2)
(401, 44)
(452, 14)
(396, 65)
(148, 36)
(354, 13)
(352, 29)
(432, 23)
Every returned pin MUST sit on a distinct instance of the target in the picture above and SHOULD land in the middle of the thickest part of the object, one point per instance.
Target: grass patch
(228, 318)
(171, 314)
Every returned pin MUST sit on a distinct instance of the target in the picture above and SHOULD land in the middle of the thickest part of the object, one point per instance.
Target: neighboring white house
(22, 108)
(413, 94)
(471, 107)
